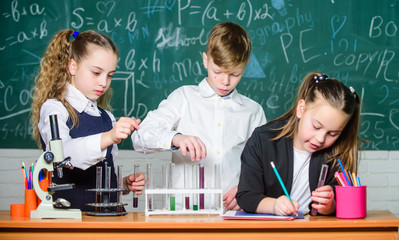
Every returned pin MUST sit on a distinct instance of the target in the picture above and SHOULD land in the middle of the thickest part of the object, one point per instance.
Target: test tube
(108, 180)
(107, 185)
(322, 179)
(149, 185)
(135, 196)
(217, 185)
(201, 185)
(187, 185)
(165, 178)
(172, 196)
(119, 186)
(99, 183)
(195, 186)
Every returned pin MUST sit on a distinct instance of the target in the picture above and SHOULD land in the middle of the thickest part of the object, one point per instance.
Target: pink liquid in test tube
(201, 186)
(187, 202)
(135, 197)
(187, 185)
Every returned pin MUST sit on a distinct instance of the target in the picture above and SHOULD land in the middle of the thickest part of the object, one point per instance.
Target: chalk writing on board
(161, 43)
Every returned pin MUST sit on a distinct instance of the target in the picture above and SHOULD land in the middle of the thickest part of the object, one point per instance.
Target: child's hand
(121, 130)
(284, 207)
(192, 144)
(229, 199)
(324, 196)
(124, 127)
(134, 183)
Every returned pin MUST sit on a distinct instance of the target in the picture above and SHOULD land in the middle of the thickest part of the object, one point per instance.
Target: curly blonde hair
(51, 81)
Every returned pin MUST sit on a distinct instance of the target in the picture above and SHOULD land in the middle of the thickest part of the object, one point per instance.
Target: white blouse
(84, 151)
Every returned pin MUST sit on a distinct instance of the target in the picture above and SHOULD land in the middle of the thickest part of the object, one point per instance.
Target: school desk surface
(377, 225)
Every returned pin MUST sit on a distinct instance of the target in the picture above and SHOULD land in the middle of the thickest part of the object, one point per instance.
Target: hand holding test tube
(322, 179)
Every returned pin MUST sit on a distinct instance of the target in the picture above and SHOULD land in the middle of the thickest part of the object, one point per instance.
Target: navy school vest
(86, 179)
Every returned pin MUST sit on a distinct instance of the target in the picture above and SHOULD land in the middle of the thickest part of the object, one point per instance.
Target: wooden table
(377, 225)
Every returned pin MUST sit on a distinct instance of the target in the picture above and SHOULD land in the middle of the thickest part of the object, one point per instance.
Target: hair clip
(320, 78)
(75, 34)
(352, 91)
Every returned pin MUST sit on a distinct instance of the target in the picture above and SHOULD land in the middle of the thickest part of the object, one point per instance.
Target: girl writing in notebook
(74, 84)
(320, 128)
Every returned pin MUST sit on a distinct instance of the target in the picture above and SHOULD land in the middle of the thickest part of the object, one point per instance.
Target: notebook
(259, 216)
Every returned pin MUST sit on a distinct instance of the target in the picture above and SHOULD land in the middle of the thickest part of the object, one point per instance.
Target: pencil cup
(351, 202)
(17, 210)
(30, 201)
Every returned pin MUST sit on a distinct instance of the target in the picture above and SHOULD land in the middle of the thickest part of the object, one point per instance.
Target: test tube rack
(103, 205)
(184, 211)
(103, 208)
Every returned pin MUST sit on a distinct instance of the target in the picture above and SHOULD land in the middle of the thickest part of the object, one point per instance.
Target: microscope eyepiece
(55, 134)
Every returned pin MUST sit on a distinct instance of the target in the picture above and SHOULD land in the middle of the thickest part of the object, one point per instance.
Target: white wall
(379, 170)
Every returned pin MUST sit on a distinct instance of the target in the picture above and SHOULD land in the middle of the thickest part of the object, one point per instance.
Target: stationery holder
(351, 202)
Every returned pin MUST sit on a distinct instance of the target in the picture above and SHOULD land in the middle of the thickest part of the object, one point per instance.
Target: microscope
(50, 160)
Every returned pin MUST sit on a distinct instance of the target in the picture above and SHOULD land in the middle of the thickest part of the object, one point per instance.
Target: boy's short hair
(228, 45)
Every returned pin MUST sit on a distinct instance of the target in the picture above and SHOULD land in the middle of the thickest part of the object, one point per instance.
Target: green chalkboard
(161, 41)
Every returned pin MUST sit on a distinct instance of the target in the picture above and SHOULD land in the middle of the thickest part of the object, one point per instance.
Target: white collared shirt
(223, 123)
(84, 151)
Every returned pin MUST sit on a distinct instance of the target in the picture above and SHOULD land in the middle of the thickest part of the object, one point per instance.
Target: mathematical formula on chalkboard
(161, 42)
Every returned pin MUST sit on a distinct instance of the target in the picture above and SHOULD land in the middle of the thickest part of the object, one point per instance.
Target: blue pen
(343, 171)
(358, 181)
(282, 184)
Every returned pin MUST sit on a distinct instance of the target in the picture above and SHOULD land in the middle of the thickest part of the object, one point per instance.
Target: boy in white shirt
(211, 121)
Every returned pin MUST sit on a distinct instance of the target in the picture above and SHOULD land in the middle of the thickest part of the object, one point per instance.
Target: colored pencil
(354, 179)
(31, 180)
(282, 184)
(24, 177)
(341, 174)
(26, 173)
(340, 180)
(350, 177)
(336, 179)
(343, 170)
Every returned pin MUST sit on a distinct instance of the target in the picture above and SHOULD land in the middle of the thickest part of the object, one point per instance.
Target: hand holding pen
(282, 206)
(285, 207)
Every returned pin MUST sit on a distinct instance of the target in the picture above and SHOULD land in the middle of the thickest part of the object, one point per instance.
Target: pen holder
(30, 201)
(351, 202)
(17, 210)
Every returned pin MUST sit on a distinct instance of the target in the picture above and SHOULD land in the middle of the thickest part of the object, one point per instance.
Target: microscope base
(43, 211)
